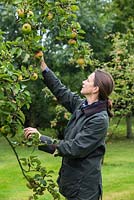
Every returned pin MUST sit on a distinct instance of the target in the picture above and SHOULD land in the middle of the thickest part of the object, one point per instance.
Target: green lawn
(118, 171)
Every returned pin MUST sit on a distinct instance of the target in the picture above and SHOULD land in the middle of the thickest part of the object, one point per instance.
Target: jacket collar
(93, 108)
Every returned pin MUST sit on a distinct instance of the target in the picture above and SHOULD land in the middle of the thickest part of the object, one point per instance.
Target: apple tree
(13, 96)
(43, 27)
(58, 34)
(121, 67)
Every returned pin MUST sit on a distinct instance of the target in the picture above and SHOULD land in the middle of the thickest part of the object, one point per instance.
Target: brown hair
(105, 83)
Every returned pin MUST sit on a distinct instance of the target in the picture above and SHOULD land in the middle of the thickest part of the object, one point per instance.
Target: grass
(118, 171)
(118, 127)
(12, 183)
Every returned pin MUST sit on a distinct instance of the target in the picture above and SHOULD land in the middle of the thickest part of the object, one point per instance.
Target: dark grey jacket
(83, 145)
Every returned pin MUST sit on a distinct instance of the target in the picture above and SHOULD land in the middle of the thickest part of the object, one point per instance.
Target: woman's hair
(105, 83)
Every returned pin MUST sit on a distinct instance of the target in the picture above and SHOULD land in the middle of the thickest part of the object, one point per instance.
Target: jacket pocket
(69, 181)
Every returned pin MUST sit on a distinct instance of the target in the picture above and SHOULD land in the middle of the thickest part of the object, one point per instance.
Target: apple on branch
(21, 13)
(50, 16)
(20, 78)
(26, 28)
(80, 61)
(72, 41)
(73, 34)
(34, 76)
(5, 130)
(30, 13)
(38, 55)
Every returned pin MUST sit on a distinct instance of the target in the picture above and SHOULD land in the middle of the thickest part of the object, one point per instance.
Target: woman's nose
(83, 81)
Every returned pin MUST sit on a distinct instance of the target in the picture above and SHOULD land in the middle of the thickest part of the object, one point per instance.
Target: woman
(83, 146)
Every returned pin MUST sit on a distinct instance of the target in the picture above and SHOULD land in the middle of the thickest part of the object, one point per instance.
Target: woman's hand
(43, 64)
(29, 131)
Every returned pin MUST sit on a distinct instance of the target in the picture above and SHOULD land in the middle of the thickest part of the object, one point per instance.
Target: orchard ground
(118, 171)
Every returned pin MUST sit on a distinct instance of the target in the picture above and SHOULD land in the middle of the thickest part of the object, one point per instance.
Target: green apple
(26, 28)
(30, 13)
(20, 78)
(21, 13)
(5, 130)
(73, 34)
(50, 16)
(80, 61)
(34, 76)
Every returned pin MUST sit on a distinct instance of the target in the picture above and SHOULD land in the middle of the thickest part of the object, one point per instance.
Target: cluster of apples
(21, 13)
(26, 28)
(73, 37)
(33, 77)
(73, 41)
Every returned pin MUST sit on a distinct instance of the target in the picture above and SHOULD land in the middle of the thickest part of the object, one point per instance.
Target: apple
(50, 16)
(20, 78)
(38, 55)
(119, 52)
(80, 61)
(57, 3)
(119, 67)
(5, 130)
(30, 13)
(71, 41)
(26, 28)
(73, 34)
(34, 76)
(21, 13)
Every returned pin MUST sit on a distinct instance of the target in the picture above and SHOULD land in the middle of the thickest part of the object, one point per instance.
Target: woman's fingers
(43, 64)
(29, 131)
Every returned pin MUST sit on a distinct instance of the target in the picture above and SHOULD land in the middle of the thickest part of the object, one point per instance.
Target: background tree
(100, 19)
(122, 15)
(122, 67)
(96, 19)
(8, 21)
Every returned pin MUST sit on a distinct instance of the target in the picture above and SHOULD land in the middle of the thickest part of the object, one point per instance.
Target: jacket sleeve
(86, 141)
(65, 97)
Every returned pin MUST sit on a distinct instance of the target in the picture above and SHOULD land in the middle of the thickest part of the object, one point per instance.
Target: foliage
(96, 19)
(100, 18)
(122, 68)
(122, 15)
(60, 120)
(39, 179)
(13, 93)
(49, 27)
(8, 21)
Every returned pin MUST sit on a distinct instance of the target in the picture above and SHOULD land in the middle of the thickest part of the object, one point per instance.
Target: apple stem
(25, 80)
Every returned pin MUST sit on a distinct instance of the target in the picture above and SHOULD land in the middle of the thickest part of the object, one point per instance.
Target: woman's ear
(96, 90)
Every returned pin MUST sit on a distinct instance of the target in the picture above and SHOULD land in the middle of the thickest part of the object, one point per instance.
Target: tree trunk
(129, 125)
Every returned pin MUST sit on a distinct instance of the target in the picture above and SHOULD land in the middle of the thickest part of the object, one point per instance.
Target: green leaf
(74, 8)
(21, 116)
(24, 161)
(19, 52)
(26, 58)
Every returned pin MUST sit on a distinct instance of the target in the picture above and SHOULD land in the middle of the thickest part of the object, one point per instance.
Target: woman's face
(88, 85)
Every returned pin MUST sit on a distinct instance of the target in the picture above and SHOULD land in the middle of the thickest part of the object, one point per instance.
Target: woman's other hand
(29, 131)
